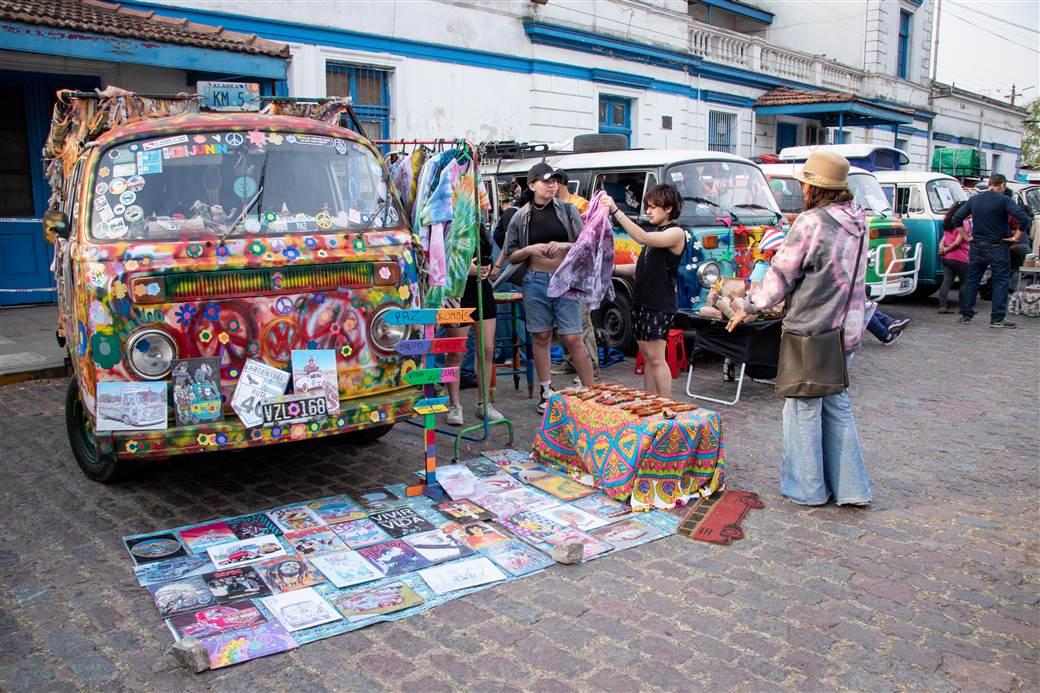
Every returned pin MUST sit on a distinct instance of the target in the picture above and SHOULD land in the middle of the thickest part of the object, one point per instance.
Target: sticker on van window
(245, 187)
(116, 186)
(123, 170)
(119, 209)
(178, 152)
(120, 156)
(101, 188)
(165, 142)
(127, 198)
(135, 184)
(677, 176)
(116, 228)
(149, 162)
(341, 146)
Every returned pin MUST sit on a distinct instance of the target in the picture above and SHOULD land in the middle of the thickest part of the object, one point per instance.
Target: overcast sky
(986, 45)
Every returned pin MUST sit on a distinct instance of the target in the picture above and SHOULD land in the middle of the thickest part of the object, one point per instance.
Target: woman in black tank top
(655, 273)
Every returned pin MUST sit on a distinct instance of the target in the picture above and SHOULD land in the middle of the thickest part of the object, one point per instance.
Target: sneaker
(965, 320)
(544, 401)
(454, 417)
(891, 338)
(1007, 325)
(561, 368)
(898, 326)
(493, 414)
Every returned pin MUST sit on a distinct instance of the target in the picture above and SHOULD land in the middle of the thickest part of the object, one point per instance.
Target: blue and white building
(727, 75)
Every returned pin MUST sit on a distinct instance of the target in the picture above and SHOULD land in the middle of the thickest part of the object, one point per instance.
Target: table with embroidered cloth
(650, 451)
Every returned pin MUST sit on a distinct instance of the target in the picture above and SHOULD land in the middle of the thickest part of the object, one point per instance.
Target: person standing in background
(954, 253)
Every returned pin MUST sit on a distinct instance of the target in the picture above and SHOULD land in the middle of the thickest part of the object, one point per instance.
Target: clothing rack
(484, 426)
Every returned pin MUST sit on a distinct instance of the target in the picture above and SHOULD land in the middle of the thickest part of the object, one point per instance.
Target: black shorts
(649, 324)
(469, 297)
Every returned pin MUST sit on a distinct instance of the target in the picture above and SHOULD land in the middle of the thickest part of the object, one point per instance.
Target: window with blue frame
(903, 55)
(370, 90)
(615, 116)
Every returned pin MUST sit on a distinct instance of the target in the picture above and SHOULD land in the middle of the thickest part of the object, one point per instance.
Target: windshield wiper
(704, 200)
(257, 198)
(754, 205)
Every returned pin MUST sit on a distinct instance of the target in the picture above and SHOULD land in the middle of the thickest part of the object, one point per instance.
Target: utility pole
(931, 85)
(1013, 94)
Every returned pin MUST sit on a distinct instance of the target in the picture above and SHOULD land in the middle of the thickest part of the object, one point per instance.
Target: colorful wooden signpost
(429, 376)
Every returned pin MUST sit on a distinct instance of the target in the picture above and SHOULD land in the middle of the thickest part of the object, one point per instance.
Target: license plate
(229, 96)
(289, 409)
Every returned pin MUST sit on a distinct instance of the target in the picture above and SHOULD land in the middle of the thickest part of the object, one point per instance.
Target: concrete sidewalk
(28, 349)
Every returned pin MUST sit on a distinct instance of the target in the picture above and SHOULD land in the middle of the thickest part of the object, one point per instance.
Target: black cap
(542, 171)
(562, 175)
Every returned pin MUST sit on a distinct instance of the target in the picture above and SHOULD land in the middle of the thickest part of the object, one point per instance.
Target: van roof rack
(511, 149)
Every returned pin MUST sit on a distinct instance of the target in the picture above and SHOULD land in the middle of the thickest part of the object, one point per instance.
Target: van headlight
(150, 354)
(708, 273)
(385, 336)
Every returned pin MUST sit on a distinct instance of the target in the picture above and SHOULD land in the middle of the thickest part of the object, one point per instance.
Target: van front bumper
(231, 434)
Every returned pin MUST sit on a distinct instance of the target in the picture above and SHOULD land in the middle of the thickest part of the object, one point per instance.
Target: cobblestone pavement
(934, 586)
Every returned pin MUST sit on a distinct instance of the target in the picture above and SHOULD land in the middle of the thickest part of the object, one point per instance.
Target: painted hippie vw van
(237, 236)
(891, 266)
(921, 199)
(727, 207)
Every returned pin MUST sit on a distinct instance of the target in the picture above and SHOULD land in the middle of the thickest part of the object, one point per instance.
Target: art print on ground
(400, 521)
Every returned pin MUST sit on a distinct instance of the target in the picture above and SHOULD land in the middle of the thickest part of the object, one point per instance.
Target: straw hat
(825, 169)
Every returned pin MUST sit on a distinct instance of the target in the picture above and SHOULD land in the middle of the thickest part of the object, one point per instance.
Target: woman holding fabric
(821, 272)
(656, 301)
(537, 240)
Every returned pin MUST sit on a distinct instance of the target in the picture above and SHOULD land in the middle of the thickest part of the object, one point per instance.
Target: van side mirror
(55, 225)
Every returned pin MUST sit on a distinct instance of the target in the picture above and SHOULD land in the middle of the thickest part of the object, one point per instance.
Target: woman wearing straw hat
(819, 270)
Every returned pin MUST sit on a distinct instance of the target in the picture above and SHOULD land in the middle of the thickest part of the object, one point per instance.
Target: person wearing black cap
(537, 240)
(564, 192)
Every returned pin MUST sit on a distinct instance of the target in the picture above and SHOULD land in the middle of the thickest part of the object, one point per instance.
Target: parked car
(727, 207)
(892, 264)
(921, 199)
(236, 236)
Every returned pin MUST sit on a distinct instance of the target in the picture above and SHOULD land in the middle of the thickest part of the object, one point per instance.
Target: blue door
(786, 136)
(615, 116)
(25, 256)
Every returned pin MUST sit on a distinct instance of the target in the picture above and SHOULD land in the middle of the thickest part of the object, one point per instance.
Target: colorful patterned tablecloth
(655, 462)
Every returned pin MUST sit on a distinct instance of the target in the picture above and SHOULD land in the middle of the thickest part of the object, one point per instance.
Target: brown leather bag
(813, 365)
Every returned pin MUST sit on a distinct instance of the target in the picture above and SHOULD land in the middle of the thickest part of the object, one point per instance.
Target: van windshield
(943, 193)
(869, 195)
(231, 184)
(712, 189)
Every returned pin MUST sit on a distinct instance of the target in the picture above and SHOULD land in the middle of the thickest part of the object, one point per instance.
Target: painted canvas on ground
(202, 537)
(515, 501)
(376, 498)
(242, 645)
(133, 406)
(215, 620)
(346, 568)
(245, 551)
(394, 557)
(499, 483)
(603, 506)
(562, 487)
(181, 596)
(359, 533)
(626, 534)
(300, 609)
(337, 509)
(374, 601)
(593, 546)
(314, 542)
(459, 575)
(437, 547)
(157, 547)
(288, 573)
(531, 525)
(296, 518)
(175, 569)
(477, 535)
(236, 583)
(249, 526)
(464, 511)
(400, 521)
(314, 373)
(482, 467)
(517, 558)
(458, 481)
(569, 516)
(257, 382)
(196, 391)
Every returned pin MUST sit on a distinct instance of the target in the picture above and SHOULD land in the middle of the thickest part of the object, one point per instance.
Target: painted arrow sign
(429, 376)
(431, 405)
(418, 347)
(430, 316)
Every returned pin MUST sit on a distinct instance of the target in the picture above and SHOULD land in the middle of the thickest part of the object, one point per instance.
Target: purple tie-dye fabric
(585, 272)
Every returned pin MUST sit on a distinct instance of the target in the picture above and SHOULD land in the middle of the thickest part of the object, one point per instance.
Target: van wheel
(368, 435)
(616, 317)
(106, 469)
(599, 142)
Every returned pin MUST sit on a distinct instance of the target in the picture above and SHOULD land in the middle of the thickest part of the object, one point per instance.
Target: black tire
(599, 142)
(105, 469)
(616, 322)
(367, 435)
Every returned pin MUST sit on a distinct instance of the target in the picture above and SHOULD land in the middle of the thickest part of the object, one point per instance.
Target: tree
(1031, 136)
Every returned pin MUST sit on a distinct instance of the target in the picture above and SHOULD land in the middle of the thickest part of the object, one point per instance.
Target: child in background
(954, 253)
